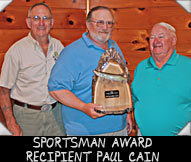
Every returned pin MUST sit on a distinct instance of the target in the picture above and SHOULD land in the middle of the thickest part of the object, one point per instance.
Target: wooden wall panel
(119, 3)
(183, 41)
(175, 16)
(9, 36)
(14, 18)
(134, 20)
(67, 36)
(69, 18)
(145, 18)
(132, 3)
(161, 3)
(137, 38)
(133, 57)
(1, 60)
(80, 4)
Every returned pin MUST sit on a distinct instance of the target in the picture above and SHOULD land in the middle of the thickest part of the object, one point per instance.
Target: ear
(88, 25)
(174, 40)
(52, 22)
(28, 22)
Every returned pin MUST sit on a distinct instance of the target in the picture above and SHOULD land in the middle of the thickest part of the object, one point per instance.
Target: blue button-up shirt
(74, 71)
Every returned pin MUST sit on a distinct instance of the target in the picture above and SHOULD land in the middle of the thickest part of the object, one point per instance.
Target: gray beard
(97, 37)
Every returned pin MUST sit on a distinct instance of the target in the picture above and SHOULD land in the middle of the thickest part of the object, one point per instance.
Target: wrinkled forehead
(158, 29)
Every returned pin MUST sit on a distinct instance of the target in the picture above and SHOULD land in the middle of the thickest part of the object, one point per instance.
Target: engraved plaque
(110, 87)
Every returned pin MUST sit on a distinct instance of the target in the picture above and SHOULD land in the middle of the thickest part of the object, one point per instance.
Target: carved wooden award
(110, 87)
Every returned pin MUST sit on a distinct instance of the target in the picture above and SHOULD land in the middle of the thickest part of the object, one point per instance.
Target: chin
(42, 34)
(157, 51)
(105, 39)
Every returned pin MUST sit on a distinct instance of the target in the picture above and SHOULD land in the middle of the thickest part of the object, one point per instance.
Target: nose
(41, 22)
(105, 26)
(156, 40)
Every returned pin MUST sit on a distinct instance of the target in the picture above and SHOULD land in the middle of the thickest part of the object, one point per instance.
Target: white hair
(167, 26)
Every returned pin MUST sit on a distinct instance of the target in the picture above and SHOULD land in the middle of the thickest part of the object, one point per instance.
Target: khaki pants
(39, 123)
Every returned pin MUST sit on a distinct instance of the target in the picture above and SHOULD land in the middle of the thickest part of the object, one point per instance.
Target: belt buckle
(46, 107)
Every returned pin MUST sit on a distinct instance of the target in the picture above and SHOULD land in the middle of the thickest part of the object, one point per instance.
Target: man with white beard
(71, 79)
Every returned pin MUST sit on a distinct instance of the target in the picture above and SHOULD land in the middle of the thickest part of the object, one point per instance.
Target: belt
(43, 107)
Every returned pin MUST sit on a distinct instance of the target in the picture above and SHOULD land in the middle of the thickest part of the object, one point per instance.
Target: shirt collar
(172, 61)
(89, 42)
(35, 42)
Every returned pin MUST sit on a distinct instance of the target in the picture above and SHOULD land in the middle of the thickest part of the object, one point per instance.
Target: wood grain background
(134, 20)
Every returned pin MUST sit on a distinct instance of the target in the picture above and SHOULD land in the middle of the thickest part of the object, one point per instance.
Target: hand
(89, 109)
(129, 123)
(14, 128)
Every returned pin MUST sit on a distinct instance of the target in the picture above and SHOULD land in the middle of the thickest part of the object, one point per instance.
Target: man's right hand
(14, 128)
(89, 109)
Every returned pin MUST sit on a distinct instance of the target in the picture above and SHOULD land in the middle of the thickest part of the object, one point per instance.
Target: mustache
(104, 31)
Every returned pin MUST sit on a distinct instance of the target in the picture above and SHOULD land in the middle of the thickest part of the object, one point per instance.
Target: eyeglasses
(100, 23)
(38, 18)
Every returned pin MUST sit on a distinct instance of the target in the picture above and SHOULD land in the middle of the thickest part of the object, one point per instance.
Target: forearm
(5, 103)
(68, 98)
(129, 122)
(129, 115)
(7, 109)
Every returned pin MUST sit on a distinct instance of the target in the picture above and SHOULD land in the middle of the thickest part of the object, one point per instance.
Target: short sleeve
(10, 68)
(62, 74)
